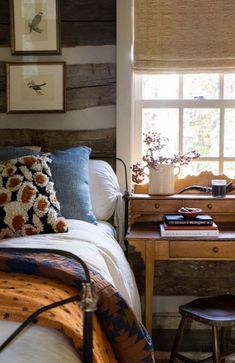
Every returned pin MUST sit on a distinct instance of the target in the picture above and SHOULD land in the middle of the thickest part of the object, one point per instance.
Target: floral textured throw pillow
(28, 203)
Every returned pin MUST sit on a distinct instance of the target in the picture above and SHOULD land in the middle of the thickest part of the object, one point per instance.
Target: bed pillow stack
(28, 202)
(70, 173)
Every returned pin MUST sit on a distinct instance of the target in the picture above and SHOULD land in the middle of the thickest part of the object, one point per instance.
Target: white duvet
(101, 252)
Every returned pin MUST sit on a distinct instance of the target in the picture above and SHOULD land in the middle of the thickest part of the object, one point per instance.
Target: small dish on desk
(189, 212)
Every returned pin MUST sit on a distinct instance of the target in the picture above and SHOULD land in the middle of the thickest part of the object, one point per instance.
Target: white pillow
(104, 189)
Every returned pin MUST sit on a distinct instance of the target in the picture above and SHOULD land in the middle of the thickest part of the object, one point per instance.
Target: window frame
(181, 104)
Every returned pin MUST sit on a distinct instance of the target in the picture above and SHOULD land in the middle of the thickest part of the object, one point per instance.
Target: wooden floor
(197, 346)
(162, 357)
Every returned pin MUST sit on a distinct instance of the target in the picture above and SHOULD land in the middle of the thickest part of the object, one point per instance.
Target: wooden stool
(216, 311)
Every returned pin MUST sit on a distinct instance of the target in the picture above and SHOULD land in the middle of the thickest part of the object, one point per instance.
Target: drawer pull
(215, 249)
(209, 206)
(157, 205)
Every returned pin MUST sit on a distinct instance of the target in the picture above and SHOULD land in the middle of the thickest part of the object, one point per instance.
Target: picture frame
(35, 26)
(35, 87)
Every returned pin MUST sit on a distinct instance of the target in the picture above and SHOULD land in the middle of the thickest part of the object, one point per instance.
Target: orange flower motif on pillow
(41, 179)
(29, 230)
(28, 203)
(5, 196)
(30, 161)
(14, 182)
(27, 193)
(9, 170)
(41, 205)
(15, 215)
(60, 225)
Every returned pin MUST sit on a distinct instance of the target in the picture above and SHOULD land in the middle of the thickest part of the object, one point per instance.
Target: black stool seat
(216, 311)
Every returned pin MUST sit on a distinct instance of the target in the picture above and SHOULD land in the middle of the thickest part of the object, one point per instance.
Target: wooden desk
(146, 239)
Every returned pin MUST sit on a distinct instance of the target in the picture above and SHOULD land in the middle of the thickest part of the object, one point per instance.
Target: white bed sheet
(37, 345)
(101, 252)
(107, 228)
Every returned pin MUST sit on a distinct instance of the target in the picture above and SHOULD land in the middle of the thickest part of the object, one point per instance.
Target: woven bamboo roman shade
(184, 35)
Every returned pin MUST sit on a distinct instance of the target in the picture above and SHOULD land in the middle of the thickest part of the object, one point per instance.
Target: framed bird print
(35, 27)
(35, 87)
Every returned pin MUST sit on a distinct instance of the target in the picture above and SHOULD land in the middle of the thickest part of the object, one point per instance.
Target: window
(195, 112)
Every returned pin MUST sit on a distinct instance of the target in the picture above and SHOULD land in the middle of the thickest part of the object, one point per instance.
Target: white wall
(124, 82)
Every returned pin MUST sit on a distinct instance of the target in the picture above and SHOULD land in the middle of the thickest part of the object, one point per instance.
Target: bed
(93, 241)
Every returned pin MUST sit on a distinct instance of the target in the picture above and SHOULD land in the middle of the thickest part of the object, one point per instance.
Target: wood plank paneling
(88, 85)
(79, 99)
(88, 10)
(75, 34)
(4, 34)
(191, 278)
(88, 33)
(2, 76)
(102, 141)
(4, 11)
(75, 10)
(83, 22)
(2, 101)
(88, 75)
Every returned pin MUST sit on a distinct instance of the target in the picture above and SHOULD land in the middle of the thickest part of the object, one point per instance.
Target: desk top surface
(180, 196)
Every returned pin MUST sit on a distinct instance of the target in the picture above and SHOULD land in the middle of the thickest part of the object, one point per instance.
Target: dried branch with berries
(152, 158)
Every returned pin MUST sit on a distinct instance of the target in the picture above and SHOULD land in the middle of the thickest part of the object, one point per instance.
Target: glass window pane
(201, 131)
(229, 132)
(160, 87)
(196, 167)
(201, 86)
(229, 86)
(229, 169)
(165, 121)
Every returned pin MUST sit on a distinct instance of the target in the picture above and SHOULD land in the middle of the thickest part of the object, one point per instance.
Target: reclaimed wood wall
(187, 278)
(101, 141)
(178, 282)
(88, 39)
(87, 85)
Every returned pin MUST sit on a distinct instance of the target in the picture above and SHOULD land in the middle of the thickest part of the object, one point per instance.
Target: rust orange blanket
(30, 282)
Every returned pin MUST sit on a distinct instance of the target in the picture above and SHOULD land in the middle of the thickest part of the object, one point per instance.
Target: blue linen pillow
(70, 173)
(12, 152)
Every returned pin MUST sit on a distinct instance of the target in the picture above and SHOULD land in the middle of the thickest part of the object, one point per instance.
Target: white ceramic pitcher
(162, 179)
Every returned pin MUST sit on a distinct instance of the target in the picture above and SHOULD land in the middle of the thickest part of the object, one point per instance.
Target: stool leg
(216, 344)
(178, 339)
(223, 340)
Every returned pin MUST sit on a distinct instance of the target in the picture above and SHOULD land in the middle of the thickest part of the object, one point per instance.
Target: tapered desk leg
(149, 281)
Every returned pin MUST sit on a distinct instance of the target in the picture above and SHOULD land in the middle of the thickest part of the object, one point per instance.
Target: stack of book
(175, 225)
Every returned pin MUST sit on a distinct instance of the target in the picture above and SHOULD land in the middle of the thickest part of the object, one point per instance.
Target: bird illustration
(33, 26)
(36, 87)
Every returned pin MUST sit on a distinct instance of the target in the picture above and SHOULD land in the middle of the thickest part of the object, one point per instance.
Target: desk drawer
(155, 206)
(212, 205)
(204, 249)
